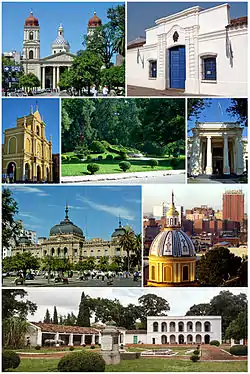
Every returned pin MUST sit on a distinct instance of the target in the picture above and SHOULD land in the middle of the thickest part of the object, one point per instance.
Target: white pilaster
(93, 339)
(70, 339)
(226, 168)
(57, 75)
(83, 339)
(54, 78)
(43, 77)
(209, 169)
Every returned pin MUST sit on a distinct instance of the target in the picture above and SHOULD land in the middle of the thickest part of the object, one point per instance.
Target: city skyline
(74, 17)
(69, 300)
(190, 197)
(96, 210)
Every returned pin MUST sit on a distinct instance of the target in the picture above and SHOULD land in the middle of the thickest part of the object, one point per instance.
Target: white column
(57, 336)
(209, 169)
(239, 156)
(83, 339)
(57, 75)
(226, 168)
(54, 78)
(93, 339)
(70, 339)
(43, 77)
(195, 158)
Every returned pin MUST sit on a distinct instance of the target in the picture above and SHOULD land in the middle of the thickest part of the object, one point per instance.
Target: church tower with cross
(172, 257)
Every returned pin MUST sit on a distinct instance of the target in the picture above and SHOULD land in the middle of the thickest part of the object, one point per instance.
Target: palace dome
(66, 227)
(60, 42)
(120, 231)
(31, 20)
(94, 21)
(172, 242)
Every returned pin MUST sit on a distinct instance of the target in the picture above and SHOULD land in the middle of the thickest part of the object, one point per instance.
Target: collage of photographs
(124, 173)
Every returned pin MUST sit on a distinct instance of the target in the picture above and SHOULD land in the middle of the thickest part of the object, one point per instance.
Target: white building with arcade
(199, 51)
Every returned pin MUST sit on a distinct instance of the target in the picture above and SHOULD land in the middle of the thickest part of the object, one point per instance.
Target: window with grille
(209, 68)
(153, 69)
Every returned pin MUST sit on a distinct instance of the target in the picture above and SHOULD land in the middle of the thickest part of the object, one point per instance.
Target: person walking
(105, 91)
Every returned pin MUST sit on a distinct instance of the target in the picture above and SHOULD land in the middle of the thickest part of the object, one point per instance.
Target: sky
(143, 15)
(188, 196)
(74, 17)
(216, 111)
(94, 209)
(48, 109)
(180, 299)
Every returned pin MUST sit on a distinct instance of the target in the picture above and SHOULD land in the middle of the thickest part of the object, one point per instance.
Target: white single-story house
(199, 51)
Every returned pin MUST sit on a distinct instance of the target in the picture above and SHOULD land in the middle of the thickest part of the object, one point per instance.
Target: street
(173, 179)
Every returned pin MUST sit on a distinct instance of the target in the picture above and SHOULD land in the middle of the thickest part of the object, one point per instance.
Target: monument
(110, 344)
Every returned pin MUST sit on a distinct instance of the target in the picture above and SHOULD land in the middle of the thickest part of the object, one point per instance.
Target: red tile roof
(136, 331)
(49, 327)
(238, 22)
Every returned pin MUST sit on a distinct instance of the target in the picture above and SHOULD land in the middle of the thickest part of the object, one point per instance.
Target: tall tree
(126, 242)
(116, 15)
(10, 228)
(199, 310)
(22, 261)
(55, 316)
(29, 81)
(14, 304)
(238, 108)
(237, 329)
(152, 305)
(83, 318)
(47, 318)
(196, 106)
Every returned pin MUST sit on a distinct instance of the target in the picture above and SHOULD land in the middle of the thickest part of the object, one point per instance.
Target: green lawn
(112, 167)
(143, 364)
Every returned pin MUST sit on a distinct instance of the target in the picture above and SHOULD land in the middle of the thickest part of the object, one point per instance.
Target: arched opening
(11, 171)
(190, 326)
(172, 339)
(38, 173)
(207, 326)
(27, 145)
(198, 327)
(172, 326)
(52, 251)
(167, 274)
(181, 339)
(180, 326)
(31, 35)
(152, 272)
(198, 339)
(47, 174)
(31, 55)
(189, 339)
(155, 327)
(164, 327)
(164, 339)
(177, 67)
(27, 172)
(58, 252)
(207, 339)
(12, 145)
(185, 275)
(65, 251)
(38, 131)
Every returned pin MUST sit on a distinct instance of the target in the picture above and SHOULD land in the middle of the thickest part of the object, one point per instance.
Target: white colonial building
(178, 330)
(217, 148)
(198, 51)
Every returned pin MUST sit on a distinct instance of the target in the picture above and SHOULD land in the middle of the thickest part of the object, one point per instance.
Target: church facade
(217, 148)
(27, 154)
(48, 69)
(66, 240)
(195, 50)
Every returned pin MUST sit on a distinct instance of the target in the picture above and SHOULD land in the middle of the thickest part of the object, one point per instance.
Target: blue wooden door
(177, 67)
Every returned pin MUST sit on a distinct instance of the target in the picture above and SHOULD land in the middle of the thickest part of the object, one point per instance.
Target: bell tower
(31, 44)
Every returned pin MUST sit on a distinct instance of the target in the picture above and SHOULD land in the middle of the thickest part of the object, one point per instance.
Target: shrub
(196, 352)
(105, 143)
(74, 159)
(174, 162)
(37, 347)
(71, 348)
(152, 148)
(80, 156)
(123, 155)
(100, 157)
(124, 165)
(109, 157)
(97, 147)
(93, 168)
(10, 360)
(215, 342)
(92, 346)
(64, 157)
(84, 345)
(89, 158)
(117, 158)
(238, 350)
(153, 163)
(82, 361)
(195, 358)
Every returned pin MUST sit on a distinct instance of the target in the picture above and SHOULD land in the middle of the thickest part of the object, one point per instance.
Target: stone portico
(216, 148)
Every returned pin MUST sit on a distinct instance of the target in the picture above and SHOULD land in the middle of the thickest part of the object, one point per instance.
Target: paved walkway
(122, 176)
(213, 353)
(207, 179)
(144, 91)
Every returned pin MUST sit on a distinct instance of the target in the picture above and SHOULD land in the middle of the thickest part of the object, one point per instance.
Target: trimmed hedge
(100, 158)
(195, 358)
(71, 348)
(153, 162)
(196, 352)
(37, 347)
(10, 360)
(215, 342)
(238, 350)
(92, 168)
(124, 165)
(82, 361)
(97, 147)
(110, 157)
(173, 162)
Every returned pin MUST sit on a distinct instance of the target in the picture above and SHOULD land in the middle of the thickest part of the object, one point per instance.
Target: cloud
(113, 210)
(134, 201)
(30, 216)
(70, 207)
(31, 227)
(30, 189)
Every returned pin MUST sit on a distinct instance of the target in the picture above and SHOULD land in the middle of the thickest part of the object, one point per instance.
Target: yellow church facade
(172, 257)
(27, 154)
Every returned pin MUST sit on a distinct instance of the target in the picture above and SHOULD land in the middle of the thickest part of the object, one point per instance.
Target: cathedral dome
(120, 231)
(94, 21)
(66, 227)
(31, 20)
(172, 242)
(60, 43)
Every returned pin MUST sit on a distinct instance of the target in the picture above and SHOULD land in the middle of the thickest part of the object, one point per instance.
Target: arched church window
(155, 327)
(185, 273)
(37, 131)
(31, 55)
(31, 35)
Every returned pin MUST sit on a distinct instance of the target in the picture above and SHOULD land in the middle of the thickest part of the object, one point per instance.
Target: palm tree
(126, 242)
